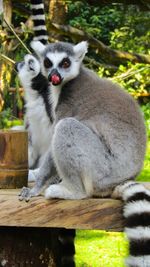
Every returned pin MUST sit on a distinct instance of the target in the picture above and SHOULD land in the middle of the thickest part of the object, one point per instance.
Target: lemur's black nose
(16, 66)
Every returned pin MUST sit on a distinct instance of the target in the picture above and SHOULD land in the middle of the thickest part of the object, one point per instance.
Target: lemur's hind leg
(79, 157)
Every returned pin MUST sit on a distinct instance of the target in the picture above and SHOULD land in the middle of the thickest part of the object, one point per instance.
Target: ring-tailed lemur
(95, 137)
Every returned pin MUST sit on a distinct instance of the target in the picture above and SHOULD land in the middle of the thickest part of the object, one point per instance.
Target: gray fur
(98, 135)
(59, 47)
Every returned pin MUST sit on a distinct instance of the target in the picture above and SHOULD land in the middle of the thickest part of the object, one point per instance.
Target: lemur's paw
(60, 191)
(26, 193)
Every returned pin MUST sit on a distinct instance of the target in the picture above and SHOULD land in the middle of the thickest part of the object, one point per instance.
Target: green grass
(106, 249)
(145, 174)
(100, 249)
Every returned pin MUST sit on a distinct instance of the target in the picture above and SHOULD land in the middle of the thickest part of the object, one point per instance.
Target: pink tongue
(55, 79)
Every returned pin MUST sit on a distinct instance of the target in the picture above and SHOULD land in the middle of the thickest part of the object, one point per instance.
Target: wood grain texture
(76, 214)
(14, 149)
(104, 214)
(13, 159)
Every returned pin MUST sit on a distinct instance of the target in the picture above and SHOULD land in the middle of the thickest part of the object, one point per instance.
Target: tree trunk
(31, 247)
(144, 5)
(27, 247)
(57, 14)
(13, 159)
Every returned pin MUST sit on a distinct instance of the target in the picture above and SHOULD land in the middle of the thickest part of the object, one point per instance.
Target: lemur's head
(60, 62)
(29, 72)
(29, 68)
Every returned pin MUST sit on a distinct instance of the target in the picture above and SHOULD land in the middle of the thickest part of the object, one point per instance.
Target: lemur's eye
(47, 63)
(65, 63)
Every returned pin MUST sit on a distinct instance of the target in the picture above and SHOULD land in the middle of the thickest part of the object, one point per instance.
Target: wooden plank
(102, 214)
(76, 214)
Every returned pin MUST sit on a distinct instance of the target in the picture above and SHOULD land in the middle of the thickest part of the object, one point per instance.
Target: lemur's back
(109, 112)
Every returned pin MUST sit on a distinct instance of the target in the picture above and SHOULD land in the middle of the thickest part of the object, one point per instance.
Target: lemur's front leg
(43, 175)
(29, 72)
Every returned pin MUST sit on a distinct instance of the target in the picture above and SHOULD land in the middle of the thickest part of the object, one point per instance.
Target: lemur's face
(60, 62)
(28, 69)
(59, 68)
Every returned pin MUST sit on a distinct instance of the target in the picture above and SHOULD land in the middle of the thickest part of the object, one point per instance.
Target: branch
(93, 62)
(143, 94)
(111, 55)
(18, 38)
(143, 4)
(129, 73)
(7, 59)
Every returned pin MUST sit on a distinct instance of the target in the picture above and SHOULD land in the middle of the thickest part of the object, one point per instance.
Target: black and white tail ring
(137, 222)
(38, 17)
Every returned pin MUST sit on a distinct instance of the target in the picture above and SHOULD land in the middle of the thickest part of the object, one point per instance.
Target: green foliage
(98, 21)
(12, 49)
(134, 78)
(121, 27)
(134, 34)
(146, 111)
(7, 120)
(145, 173)
(125, 38)
(4, 116)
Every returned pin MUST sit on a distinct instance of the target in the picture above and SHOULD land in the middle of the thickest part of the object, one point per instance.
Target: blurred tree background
(118, 32)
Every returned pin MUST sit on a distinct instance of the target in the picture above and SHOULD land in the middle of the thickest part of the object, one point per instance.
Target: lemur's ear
(38, 47)
(80, 50)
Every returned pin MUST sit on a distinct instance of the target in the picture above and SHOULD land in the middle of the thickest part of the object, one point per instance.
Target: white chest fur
(54, 97)
(40, 125)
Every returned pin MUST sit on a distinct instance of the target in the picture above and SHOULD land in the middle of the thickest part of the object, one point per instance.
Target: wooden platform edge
(104, 214)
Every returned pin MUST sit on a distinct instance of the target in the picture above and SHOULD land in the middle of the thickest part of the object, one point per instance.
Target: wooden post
(13, 159)
(23, 246)
(30, 247)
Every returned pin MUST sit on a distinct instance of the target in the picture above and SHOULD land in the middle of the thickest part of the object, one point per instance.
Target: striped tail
(38, 17)
(137, 222)
(67, 247)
